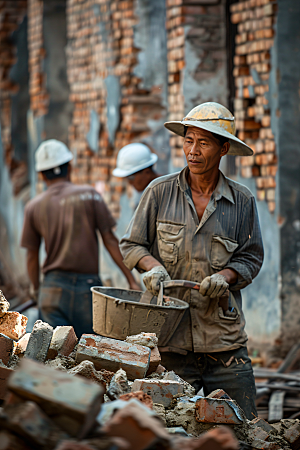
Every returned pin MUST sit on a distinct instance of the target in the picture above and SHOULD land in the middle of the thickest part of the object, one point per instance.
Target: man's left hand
(135, 286)
(214, 286)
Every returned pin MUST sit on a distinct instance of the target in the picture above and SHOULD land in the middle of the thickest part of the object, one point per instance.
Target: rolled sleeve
(141, 231)
(248, 258)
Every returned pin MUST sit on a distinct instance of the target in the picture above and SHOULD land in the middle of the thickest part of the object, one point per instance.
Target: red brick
(22, 344)
(63, 342)
(13, 325)
(210, 410)
(161, 391)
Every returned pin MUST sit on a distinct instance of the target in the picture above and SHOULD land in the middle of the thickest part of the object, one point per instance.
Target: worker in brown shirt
(67, 217)
(200, 226)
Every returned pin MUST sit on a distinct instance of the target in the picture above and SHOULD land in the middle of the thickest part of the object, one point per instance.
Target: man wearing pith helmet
(200, 226)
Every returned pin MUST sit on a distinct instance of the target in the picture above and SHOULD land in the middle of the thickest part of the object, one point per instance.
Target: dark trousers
(65, 298)
(209, 370)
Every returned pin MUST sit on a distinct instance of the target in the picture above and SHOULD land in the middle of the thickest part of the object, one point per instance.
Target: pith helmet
(215, 118)
(132, 158)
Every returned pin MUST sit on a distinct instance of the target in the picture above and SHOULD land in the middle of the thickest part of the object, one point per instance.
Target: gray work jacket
(166, 226)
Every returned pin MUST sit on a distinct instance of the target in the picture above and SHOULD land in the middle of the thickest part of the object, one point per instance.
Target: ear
(225, 149)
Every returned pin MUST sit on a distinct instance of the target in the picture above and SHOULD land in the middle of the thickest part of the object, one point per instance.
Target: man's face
(202, 150)
(137, 180)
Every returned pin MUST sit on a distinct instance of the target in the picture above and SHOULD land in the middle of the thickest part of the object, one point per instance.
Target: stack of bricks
(12, 14)
(200, 28)
(254, 40)
(101, 45)
(39, 98)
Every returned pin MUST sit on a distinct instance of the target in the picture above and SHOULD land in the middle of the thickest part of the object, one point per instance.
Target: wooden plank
(276, 406)
(276, 387)
(264, 373)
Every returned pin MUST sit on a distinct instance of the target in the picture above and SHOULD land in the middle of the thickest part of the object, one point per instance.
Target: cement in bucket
(117, 314)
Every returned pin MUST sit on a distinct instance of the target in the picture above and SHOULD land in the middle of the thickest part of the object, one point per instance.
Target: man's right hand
(154, 277)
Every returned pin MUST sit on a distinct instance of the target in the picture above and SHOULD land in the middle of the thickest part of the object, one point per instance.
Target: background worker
(135, 163)
(67, 217)
(200, 226)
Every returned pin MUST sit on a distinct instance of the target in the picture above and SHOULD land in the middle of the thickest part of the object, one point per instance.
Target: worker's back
(67, 216)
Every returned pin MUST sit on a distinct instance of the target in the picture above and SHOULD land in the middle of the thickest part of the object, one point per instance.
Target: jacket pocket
(170, 241)
(221, 251)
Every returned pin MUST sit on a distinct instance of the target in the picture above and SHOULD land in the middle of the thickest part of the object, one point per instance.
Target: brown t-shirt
(67, 217)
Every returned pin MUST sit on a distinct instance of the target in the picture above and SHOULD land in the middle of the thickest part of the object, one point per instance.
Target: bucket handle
(223, 301)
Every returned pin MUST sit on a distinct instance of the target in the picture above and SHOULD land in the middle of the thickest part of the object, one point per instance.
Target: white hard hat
(51, 154)
(213, 117)
(132, 158)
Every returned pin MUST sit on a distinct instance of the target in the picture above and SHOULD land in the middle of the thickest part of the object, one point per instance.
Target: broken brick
(63, 342)
(214, 410)
(28, 420)
(112, 354)
(13, 325)
(161, 391)
(155, 360)
(140, 396)
(39, 341)
(292, 435)
(137, 427)
(5, 373)
(22, 344)
(86, 369)
(261, 423)
(264, 445)
(72, 402)
(6, 348)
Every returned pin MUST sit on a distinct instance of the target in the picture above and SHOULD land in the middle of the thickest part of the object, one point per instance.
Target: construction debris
(4, 305)
(81, 397)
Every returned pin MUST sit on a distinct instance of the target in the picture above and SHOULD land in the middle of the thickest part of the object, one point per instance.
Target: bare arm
(112, 245)
(147, 263)
(230, 275)
(33, 268)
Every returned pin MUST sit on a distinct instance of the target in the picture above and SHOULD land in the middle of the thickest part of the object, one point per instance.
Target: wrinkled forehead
(199, 133)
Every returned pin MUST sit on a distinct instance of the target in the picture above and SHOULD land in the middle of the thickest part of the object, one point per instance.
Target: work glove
(214, 286)
(154, 277)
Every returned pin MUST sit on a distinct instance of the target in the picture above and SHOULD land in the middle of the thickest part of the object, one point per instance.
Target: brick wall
(196, 59)
(101, 51)
(255, 21)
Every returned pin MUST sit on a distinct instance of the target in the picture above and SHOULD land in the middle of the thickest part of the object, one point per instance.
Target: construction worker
(200, 226)
(67, 217)
(135, 163)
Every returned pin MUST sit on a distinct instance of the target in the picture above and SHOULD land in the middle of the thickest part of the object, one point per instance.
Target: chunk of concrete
(29, 421)
(86, 369)
(6, 348)
(70, 401)
(4, 304)
(119, 385)
(264, 445)
(188, 389)
(146, 339)
(39, 341)
(5, 373)
(215, 410)
(112, 354)
(161, 391)
(22, 344)
(290, 431)
(13, 325)
(63, 342)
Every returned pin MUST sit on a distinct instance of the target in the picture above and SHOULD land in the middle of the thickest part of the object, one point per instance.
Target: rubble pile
(100, 393)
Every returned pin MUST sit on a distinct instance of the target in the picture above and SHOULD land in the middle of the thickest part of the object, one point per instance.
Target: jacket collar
(222, 189)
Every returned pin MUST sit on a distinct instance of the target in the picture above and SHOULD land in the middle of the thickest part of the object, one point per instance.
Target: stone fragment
(70, 401)
(136, 426)
(108, 409)
(264, 445)
(118, 385)
(261, 423)
(8, 441)
(217, 439)
(155, 360)
(64, 363)
(146, 339)
(6, 348)
(215, 410)
(5, 373)
(219, 393)
(86, 369)
(161, 391)
(259, 433)
(28, 420)
(291, 432)
(4, 304)
(13, 325)
(188, 390)
(39, 341)
(63, 342)
(22, 344)
(112, 354)
(140, 396)
(160, 411)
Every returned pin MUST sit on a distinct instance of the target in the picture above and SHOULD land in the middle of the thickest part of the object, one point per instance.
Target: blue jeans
(65, 299)
(209, 370)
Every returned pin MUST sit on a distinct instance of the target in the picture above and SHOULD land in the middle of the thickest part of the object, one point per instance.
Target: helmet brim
(120, 173)
(237, 147)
